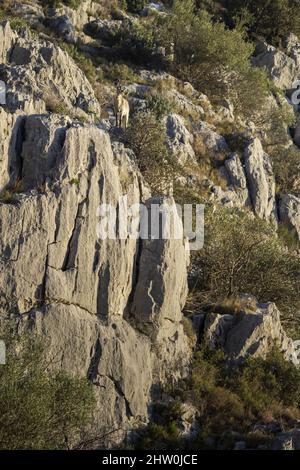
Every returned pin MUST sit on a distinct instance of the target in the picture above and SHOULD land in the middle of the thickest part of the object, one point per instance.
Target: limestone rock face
(289, 212)
(260, 180)
(214, 143)
(281, 68)
(115, 357)
(249, 333)
(7, 37)
(180, 139)
(42, 74)
(58, 276)
(236, 172)
(11, 130)
(160, 294)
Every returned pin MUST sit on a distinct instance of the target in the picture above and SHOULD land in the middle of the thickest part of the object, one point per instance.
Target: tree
(215, 59)
(146, 136)
(243, 254)
(39, 408)
(272, 19)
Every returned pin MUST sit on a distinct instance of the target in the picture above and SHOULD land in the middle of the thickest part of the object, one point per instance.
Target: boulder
(180, 139)
(86, 11)
(281, 68)
(289, 212)
(215, 144)
(250, 333)
(235, 171)
(103, 29)
(40, 75)
(260, 180)
(63, 27)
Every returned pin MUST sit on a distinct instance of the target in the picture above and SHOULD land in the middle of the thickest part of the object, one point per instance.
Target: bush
(146, 136)
(229, 401)
(158, 105)
(243, 254)
(263, 384)
(273, 20)
(286, 165)
(120, 72)
(134, 6)
(39, 409)
(214, 59)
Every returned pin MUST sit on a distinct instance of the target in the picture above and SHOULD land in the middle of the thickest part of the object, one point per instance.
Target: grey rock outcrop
(215, 143)
(90, 295)
(289, 440)
(260, 180)
(180, 139)
(252, 333)
(63, 27)
(86, 11)
(39, 73)
(281, 68)
(84, 292)
(237, 193)
(289, 212)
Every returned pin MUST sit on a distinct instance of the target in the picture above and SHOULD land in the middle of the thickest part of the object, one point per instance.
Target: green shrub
(273, 20)
(214, 59)
(261, 384)
(189, 331)
(134, 6)
(229, 401)
(158, 105)
(146, 136)
(39, 409)
(83, 62)
(119, 71)
(243, 254)
(286, 165)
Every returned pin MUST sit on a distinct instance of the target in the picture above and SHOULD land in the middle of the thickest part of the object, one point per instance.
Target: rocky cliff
(110, 309)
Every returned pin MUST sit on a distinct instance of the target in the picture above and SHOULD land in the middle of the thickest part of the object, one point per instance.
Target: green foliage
(158, 105)
(231, 399)
(288, 237)
(274, 20)
(213, 58)
(119, 71)
(84, 63)
(134, 6)
(243, 254)
(264, 384)
(146, 136)
(235, 398)
(39, 409)
(74, 4)
(286, 165)
(189, 330)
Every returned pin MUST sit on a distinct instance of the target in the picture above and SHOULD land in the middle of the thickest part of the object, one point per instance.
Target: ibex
(121, 107)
